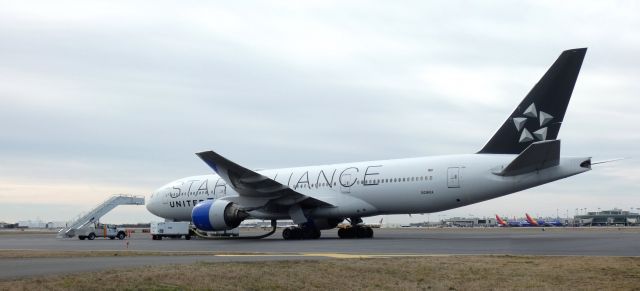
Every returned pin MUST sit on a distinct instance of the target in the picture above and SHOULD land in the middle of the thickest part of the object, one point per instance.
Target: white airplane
(523, 153)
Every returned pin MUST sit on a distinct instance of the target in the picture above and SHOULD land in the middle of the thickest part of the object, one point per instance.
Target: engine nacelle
(216, 215)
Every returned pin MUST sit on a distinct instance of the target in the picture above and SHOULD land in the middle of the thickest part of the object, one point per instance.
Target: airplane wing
(250, 184)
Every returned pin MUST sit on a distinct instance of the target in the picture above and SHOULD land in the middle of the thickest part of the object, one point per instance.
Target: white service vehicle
(170, 229)
(101, 230)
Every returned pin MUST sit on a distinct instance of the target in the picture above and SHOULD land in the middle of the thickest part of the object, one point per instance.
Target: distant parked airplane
(540, 222)
(512, 223)
(375, 225)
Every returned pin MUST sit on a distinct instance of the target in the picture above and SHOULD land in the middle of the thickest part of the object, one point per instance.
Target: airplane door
(346, 180)
(453, 177)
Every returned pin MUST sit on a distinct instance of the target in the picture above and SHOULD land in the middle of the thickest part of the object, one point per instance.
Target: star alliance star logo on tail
(531, 112)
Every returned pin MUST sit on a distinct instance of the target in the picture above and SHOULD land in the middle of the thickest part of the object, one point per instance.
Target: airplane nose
(151, 203)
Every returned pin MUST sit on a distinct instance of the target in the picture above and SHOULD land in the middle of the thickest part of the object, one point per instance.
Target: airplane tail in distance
(500, 220)
(539, 116)
(531, 220)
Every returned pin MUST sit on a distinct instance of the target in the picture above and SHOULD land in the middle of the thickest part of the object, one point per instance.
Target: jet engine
(216, 215)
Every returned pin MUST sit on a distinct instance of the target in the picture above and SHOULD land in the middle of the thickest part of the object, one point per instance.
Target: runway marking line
(414, 255)
(334, 255)
(327, 255)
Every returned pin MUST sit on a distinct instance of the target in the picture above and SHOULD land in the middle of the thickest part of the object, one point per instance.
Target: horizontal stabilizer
(537, 156)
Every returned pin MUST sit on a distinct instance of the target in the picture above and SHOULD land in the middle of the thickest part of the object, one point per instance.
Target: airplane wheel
(316, 234)
(287, 233)
(297, 233)
(355, 232)
(310, 233)
(346, 232)
(368, 232)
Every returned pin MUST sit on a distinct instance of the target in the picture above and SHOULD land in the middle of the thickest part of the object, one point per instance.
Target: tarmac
(386, 243)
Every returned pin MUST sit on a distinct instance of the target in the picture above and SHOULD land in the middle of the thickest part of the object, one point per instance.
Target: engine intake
(215, 215)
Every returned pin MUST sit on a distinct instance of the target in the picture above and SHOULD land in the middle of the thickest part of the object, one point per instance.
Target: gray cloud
(121, 96)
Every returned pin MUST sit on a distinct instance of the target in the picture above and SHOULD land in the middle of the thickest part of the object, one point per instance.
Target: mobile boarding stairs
(99, 211)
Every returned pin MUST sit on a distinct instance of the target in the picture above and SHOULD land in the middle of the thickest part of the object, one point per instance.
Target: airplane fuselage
(401, 186)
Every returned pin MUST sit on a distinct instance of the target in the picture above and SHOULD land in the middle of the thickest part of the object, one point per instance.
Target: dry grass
(417, 273)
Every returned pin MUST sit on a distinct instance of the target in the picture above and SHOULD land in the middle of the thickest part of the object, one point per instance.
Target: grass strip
(408, 273)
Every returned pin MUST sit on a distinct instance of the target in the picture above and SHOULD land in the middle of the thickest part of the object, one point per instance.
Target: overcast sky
(100, 98)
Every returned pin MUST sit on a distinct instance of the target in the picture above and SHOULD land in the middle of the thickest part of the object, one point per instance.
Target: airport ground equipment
(170, 229)
(233, 233)
(96, 213)
(101, 230)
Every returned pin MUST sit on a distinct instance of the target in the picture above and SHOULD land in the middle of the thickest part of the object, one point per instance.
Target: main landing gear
(355, 230)
(301, 232)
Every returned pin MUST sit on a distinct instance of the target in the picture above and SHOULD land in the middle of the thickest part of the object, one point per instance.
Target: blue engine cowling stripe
(200, 215)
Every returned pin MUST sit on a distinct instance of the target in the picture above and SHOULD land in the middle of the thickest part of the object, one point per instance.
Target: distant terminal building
(469, 222)
(32, 224)
(615, 217)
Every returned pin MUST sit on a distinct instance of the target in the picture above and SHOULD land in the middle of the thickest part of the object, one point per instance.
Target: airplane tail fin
(530, 219)
(500, 220)
(539, 116)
